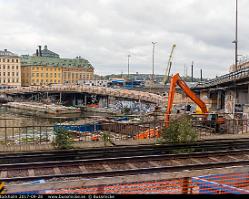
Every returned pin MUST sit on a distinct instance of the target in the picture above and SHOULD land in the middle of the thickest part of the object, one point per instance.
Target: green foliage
(63, 139)
(105, 138)
(179, 131)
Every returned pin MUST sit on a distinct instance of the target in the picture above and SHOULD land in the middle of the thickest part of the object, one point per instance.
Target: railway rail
(128, 165)
(122, 151)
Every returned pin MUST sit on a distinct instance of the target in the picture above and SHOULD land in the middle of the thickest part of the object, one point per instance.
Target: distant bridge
(240, 76)
(118, 93)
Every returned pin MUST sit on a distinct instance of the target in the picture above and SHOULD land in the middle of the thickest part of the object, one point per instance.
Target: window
(17, 80)
(13, 67)
(4, 81)
(37, 74)
(37, 80)
(8, 67)
(3, 73)
(12, 60)
(16, 60)
(8, 80)
(17, 74)
(3, 60)
(41, 74)
(55, 75)
(59, 75)
(0, 74)
(37, 68)
(8, 61)
(8, 73)
(13, 80)
(46, 80)
(47, 75)
(16, 67)
(51, 75)
(4, 67)
(13, 74)
(46, 69)
(33, 74)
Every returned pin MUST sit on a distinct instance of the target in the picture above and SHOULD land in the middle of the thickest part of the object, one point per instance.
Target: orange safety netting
(237, 183)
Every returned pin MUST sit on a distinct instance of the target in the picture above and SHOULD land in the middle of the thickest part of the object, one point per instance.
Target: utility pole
(236, 37)
(129, 66)
(153, 62)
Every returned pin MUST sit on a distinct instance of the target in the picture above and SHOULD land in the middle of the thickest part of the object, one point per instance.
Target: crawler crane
(210, 119)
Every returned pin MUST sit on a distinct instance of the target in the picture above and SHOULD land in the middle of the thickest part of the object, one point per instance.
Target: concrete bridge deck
(119, 93)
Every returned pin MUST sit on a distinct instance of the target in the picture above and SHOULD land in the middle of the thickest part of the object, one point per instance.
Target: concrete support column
(107, 102)
(219, 105)
(60, 97)
(85, 100)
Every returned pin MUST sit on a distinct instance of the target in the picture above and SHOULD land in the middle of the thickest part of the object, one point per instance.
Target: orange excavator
(211, 119)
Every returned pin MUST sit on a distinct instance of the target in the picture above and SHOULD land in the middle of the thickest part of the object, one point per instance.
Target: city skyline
(105, 31)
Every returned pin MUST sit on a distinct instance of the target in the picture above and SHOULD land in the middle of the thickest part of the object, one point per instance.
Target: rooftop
(6, 53)
(27, 60)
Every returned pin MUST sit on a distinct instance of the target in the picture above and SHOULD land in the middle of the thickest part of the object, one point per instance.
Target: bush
(63, 139)
(179, 131)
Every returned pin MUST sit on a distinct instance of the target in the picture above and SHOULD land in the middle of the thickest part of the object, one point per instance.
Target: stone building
(10, 69)
(46, 67)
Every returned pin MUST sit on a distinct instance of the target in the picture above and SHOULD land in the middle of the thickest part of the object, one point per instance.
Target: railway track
(121, 166)
(122, 151)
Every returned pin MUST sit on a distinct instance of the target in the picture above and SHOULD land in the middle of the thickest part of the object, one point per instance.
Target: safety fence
(236, 183)
(119, 132)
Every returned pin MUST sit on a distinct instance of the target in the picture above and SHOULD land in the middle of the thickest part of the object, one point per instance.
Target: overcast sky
(106, 31)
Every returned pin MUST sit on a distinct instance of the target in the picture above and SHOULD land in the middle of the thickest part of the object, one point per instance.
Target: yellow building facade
(45, 67)
(10, 69)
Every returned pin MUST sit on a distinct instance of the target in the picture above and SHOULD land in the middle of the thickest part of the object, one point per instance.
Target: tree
(179, 131)
(63, 139)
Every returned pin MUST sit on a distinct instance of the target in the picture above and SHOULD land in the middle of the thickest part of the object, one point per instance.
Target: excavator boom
(176, 80)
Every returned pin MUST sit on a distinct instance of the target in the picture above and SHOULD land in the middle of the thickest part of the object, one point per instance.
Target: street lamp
(236, 38)
(129, 66)
(153, 61)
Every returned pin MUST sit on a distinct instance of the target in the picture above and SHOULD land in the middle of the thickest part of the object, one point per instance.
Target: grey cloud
(106, 31)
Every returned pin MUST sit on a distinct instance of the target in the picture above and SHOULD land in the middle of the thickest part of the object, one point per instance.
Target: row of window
(9, 80)
(51, 75)
(8, 73)
(8, 67)
(9, 60)
(51, 68)
(47, 81)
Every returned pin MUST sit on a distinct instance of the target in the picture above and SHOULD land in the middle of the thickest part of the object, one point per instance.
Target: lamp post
(236, 38)
(153, 61)
(129, 66)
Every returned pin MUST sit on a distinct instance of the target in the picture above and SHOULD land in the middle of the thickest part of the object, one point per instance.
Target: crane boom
(176, 80)
(167, 71)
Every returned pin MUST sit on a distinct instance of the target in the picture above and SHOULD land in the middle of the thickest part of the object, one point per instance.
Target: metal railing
(242, 73)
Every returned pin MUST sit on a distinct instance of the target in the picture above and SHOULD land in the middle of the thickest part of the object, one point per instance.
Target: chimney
(192, 72)
(40, 53)
(5, 50)
(201, 75)
(45, 47)
(37, 52)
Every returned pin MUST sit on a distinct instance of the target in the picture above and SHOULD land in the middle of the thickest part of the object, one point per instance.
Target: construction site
(68, 130)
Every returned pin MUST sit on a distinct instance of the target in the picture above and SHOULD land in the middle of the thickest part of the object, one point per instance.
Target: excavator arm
(176, 80)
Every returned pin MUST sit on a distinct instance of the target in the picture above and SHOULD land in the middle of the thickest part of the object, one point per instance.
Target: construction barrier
(237, 183)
